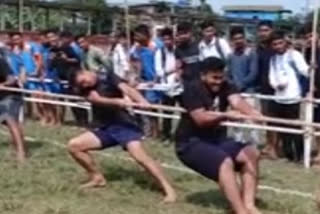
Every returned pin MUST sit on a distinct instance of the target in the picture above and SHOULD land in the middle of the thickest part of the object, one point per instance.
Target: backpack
(219, 49)
(304, 82)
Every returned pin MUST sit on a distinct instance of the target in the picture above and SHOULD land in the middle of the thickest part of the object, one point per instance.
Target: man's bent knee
(252, 153)
(227, 164)
(74, 146)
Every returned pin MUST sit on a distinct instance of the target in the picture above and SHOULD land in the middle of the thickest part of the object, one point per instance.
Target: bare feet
(268, 153)
(170, 197)
(21, 158)
(316, 160)
(253, 210)
(96, 181)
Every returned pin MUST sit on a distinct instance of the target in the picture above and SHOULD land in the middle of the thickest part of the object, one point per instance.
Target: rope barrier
(169, 108)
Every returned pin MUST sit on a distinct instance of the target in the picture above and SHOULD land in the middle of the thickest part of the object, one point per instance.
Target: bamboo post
(89, 30)
(2, 17)
(127, 20)
(308, 137)
(20, 12)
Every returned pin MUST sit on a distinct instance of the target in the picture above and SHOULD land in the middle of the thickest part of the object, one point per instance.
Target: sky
(296, 5)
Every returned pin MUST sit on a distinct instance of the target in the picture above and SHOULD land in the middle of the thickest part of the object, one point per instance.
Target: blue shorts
(33, 85)
(52, 87)
(10, 107)
(118, 134)
(153, 96)
(206, 156)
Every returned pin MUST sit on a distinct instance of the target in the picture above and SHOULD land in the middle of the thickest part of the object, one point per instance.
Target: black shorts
(207, 156)
(316, 114)
(117, 134)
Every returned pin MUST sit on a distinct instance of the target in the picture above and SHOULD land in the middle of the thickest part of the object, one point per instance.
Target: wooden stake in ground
(309, 137)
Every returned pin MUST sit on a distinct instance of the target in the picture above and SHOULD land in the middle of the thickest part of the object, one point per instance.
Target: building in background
(272, 13)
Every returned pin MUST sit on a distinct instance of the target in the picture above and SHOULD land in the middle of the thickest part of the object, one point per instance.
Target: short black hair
(277, 35)
(266, 23)
(207, 23)
(142, 29)
(66, 34)
(80, 36)
(237, 30)
(167, 32)
(184, 27)
(212, 64)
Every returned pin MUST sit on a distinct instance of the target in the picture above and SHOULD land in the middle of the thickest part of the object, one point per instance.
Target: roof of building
(262, 8)
(55, 5)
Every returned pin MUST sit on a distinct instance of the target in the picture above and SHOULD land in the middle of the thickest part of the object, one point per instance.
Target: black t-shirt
(5, 72)
(63, 67)
(108, 86)
(264, 57)
(196, 95)
(188, 54)
(317, 74)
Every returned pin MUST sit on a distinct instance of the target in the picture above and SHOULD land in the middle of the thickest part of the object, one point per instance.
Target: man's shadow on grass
(215, 198)
(116, 173)
(30, 145)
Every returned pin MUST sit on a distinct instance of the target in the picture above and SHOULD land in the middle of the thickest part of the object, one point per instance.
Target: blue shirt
(77, 50)
(30, 50)
(146, 57)
(243, 70)
(50, 71)
(16, 63)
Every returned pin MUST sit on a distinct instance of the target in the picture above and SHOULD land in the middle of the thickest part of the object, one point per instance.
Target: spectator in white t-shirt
(166, 69)
(287, 70)
(211, 45)
(119, 55)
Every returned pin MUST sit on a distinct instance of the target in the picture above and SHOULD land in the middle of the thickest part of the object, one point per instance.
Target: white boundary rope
(307, 125)
(87, 106)
(178, 169)
(165, 87)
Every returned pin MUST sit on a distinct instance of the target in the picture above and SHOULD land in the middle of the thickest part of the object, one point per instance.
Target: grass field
(48, 183)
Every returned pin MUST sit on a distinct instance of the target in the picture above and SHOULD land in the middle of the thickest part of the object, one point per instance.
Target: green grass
(48, 183)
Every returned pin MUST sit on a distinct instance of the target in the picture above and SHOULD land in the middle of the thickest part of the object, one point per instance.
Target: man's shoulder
(95, 49)
(193, 86)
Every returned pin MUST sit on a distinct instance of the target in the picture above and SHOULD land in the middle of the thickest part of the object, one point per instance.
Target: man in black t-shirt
(10, 105)
(202, 143)
(107, 91)
(264, 53)
(187, 53)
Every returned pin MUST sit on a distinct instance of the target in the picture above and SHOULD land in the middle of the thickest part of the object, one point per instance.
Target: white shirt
(120, 61)
(167, 72)
(210, 50)
(282, 73)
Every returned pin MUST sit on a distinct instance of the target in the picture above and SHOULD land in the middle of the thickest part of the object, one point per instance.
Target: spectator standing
(265, 52)
(211, 45)
(29, 55)
(145, 53)
(94, 59)
(287, 67)
(119, 55)
(187, 53)
(243, 72)
(243, 63)
(165, 62)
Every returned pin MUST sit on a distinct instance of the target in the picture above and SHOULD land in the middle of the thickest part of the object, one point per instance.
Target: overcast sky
(295, 5)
